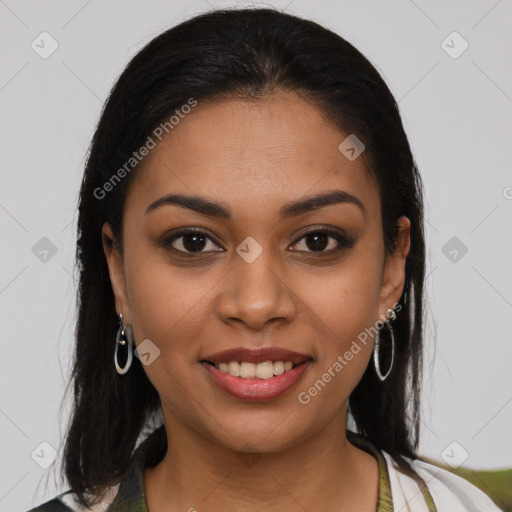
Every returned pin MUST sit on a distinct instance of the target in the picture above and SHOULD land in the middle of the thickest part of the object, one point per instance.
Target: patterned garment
(385, 500)
(129, 495)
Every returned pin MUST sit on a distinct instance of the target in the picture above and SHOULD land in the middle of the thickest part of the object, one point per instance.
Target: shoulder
(128, 494)
(57, 504)
(450, 492)
(67, 502)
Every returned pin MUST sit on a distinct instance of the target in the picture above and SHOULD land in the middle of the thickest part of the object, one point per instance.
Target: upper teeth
(247, 370)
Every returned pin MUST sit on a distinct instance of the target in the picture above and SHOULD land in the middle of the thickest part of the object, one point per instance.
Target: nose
(256, 294)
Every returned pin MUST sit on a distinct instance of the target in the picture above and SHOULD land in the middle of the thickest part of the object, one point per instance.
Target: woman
(251, 257)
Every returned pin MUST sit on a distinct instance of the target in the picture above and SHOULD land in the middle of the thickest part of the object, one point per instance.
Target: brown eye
(190, 241)
(322, 241)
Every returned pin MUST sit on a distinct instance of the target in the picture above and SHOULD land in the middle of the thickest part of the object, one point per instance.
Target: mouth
(256, 374)
(247, 370)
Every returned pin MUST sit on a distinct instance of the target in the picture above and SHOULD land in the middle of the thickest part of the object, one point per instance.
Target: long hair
(246, 53)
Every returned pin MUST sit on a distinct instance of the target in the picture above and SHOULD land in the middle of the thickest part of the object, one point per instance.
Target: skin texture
(226, 454)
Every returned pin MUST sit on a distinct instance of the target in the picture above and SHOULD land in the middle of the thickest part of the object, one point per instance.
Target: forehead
(252, 153)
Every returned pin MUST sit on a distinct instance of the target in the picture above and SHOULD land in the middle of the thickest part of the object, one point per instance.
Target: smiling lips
(256, 374)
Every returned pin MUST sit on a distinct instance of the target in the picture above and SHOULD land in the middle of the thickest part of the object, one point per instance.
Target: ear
(394, 268)
(116, 271)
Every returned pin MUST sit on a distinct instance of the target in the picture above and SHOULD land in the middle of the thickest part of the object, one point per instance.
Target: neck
(324, 472)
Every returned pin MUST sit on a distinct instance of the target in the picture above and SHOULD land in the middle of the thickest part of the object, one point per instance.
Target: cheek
(344, 307)
(168, 306)
(344, 301)
(344, 350)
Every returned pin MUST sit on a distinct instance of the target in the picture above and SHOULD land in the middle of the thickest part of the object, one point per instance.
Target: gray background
(457, 113)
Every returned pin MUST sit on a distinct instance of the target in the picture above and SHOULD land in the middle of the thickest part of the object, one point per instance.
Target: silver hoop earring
(124, 343)
(391, 316)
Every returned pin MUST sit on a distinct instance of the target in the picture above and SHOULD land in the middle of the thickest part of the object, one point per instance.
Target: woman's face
(252, 278)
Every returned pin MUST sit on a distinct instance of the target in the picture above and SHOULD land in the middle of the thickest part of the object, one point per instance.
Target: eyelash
(343, 241)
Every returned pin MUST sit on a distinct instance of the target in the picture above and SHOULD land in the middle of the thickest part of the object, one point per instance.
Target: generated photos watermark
(144, 150)
(305, 397)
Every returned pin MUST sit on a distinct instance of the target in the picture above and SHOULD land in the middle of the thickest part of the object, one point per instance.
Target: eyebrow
(290, 209)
